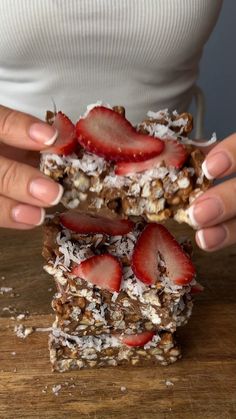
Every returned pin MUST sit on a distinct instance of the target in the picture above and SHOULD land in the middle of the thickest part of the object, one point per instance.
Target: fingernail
(28, 215)
(211, 238)
(43, 133)
(216, 165)
(46, 190)
(205, 211)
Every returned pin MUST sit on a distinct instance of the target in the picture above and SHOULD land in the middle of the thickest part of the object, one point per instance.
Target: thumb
(21, 130)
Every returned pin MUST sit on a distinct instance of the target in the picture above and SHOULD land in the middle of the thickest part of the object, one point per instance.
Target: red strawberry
(139, 339)
(108, 134)
(66, 141)
(155, 239)
(102, 270)
(173, 155)
(88, 223)
(196, 288)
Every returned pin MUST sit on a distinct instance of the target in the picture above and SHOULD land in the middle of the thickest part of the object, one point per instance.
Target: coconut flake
(212, 140)
(56, 389)
(22, 332)
(5, 290)
(163, 113)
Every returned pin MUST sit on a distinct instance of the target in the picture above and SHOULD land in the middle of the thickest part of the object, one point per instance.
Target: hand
(214, 212)
(24, 190)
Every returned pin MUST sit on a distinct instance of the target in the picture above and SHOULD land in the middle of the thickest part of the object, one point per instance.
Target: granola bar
(69, 352)
(82, 308)
(158, 190)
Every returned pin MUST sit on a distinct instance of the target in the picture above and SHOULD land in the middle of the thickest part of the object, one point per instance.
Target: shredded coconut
(21, 316)
(56, 389)
(212, 140)
(43, 329)
(5, 290)
(169, 383)
(163, 113)
(22, 332)
(76, 252)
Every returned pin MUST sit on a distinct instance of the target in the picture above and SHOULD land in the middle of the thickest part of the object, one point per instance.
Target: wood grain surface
(201, 385)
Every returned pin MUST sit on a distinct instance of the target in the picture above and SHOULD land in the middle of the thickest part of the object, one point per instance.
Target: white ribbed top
(143, 54)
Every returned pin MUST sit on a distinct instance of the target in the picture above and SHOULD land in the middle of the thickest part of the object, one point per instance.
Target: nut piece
(181, 216)
(196, 161)
(119, 109)
(130, 206)
(173, 200)
(161, 216)
(81, 302)
(81, 182)
(188, 126)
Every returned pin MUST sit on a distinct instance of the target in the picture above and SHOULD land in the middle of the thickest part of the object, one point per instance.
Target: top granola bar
(152, 170)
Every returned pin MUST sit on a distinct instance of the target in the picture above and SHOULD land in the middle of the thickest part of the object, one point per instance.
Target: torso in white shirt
(142, 54)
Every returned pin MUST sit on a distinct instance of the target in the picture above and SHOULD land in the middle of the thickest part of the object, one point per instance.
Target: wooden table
(201, 385)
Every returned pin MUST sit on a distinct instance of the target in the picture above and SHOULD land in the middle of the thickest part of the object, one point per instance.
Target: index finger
(21, 130)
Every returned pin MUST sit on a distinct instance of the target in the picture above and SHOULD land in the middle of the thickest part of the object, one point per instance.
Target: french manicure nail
(28, 215)
(204, 212)
(46, 190)
(211, 238)
(216, 165)
(43, 133)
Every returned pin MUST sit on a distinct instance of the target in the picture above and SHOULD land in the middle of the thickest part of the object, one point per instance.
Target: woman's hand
(24, 190)
(214, 212)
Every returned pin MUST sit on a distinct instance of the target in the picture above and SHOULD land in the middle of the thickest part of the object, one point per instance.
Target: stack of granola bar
(123, 285)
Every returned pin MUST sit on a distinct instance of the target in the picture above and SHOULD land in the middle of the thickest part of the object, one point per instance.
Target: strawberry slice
(139, 339)
(156, 239)
(102, 270)
(108, 134)
(173, 155)
(89, 224)
(66, 141)
(196, 288)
